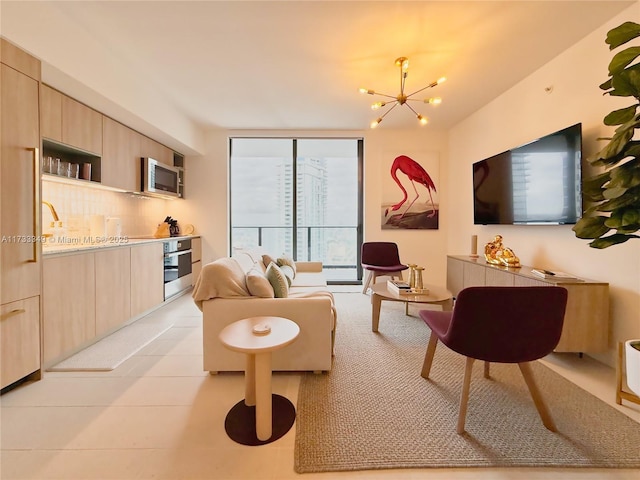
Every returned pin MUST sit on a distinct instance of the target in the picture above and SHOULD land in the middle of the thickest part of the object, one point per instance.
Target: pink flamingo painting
(414, 171)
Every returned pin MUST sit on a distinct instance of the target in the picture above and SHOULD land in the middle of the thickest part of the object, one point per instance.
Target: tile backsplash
(139, 215)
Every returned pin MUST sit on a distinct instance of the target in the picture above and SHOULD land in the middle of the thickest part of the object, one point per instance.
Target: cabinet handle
(17, 311)
(36, 202)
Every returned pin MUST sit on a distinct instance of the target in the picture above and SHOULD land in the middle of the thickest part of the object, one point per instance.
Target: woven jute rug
(375, 411)
(111, 351)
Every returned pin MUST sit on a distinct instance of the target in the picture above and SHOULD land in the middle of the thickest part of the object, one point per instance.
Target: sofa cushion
(288, 272)
(284, 260)
(267, 259)
(257, 283)
(278, 281)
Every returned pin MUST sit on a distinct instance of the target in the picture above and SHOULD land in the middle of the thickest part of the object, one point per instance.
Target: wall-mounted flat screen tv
(538, 183)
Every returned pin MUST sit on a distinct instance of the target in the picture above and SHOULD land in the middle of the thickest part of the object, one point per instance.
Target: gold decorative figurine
(497, 254)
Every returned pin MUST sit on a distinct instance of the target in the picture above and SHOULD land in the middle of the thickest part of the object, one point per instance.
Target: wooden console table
(586, 321)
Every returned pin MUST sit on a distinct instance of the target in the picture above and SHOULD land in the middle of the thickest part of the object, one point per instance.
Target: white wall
(524, 113)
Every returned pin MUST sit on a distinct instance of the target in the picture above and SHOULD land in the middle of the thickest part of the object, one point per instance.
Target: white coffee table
(253, 416)
(436, 295)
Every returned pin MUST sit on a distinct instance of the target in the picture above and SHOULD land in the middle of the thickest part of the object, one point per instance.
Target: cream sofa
(221, 292)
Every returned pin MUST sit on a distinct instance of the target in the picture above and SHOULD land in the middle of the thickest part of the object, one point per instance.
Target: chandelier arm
(385, 113)
(403, 79)
(385, 95)
(431, 85)
(410, 108)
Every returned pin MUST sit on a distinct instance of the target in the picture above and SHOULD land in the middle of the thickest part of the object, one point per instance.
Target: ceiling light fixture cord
(401, 98)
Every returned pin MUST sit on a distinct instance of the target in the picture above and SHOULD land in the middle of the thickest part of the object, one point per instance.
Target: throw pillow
(258, 284)
(267, 259)
(288, 272)
(277, 280)
(287, 261)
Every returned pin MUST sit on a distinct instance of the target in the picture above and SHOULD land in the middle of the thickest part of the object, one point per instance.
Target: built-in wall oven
(177, 266)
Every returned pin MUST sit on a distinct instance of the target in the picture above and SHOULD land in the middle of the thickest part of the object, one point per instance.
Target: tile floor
(159, 416)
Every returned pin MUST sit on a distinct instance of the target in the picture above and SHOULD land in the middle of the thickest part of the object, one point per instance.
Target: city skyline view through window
(309, 208)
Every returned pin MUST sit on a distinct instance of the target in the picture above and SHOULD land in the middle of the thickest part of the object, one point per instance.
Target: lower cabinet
(147, 277)
(69, 303)
(19, 339)
(586, 320)
(87, 295)
(113, 288)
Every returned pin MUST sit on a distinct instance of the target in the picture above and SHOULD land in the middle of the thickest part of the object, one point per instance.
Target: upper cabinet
(121, 154)
(50, 113)
(81, 126)
(157, 151)
(70, 122)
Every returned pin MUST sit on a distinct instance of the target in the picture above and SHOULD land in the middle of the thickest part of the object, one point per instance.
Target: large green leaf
(592, 188)
(618, 117)
(617, 143)
(614, 192)
(632, 197)
(626, 175)
(629, 217)
(590, 227)
(611, 240)
(606, 86)
(626, 83)
(621, 59)
(622, 34)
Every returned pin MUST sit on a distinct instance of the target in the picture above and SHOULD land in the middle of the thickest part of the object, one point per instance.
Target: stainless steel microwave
(159, 179)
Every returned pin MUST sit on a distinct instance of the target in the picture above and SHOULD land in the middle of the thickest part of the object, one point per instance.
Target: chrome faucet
(53, 211)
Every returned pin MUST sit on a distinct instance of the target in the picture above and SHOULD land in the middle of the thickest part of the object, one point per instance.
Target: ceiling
(299, 64)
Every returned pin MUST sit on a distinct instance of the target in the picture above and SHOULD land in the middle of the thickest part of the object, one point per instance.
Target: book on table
(553, 275)
(398, 286)
(403, 288)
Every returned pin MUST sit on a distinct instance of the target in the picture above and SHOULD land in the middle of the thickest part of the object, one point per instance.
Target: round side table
(262, 417)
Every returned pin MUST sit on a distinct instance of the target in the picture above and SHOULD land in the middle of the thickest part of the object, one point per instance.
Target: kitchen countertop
(71, 246)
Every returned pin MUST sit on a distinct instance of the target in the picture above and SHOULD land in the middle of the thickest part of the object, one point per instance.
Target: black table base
(240, 423)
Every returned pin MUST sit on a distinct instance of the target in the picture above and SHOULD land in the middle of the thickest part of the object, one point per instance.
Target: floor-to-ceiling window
(301, 197)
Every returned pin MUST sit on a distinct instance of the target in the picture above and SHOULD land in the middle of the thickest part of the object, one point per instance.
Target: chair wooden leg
(619, 373)
(367, 281)
(525, 368)
(428, 357)
(464, 396)
(487, 368)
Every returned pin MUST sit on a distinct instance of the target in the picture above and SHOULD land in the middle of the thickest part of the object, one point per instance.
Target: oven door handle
(176, 254)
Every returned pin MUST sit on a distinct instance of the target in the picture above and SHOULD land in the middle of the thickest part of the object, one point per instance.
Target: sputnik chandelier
(402, 98)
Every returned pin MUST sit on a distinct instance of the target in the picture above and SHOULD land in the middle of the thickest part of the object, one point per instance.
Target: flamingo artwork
(415, 173)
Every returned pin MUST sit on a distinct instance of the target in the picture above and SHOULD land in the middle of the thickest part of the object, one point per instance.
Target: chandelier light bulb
(422, 120)
(378, 105)
(376, 122)
(433, 100)
(366, 90)
(441, 80)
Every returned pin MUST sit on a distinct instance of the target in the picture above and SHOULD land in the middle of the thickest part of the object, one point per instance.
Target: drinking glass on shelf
(63, 169)
(47, 163)
(74, 169)
(55, 166)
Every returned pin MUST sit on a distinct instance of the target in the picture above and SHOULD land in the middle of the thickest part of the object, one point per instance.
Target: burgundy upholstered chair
(503, 325)
(379, 259)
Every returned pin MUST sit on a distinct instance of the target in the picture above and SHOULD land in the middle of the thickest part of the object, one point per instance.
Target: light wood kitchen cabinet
(586, 321)
(120, 165)
(19, 215)
(50, 113)
(113, 288)
(68, 121)
(147, 277)
(81, 126)
(69, 304)
(19, 339)
(20, 186)
(157, 151)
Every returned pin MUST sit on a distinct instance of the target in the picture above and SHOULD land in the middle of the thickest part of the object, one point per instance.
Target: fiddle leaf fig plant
(613, 216)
